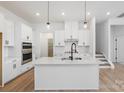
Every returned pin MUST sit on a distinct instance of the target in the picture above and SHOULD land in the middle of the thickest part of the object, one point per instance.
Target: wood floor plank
(110, 81)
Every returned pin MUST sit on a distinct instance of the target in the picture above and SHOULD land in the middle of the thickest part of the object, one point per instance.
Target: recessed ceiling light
(63, 13)
(108, 13)
(37, 14)
(88, 13)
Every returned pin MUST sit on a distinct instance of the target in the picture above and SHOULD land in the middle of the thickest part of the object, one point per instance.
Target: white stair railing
(112, 65)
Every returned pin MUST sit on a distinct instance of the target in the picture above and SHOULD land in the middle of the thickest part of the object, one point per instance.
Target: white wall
(103, 38)
(41, 28)
(53, 27)
(116, 21)
(118, 30)
(98, 36)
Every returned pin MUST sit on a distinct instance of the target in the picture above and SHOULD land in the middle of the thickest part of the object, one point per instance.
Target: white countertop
(57, 60)
(11, 59)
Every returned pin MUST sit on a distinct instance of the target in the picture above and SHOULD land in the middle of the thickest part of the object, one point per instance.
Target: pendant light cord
(48, 11)
(85, 9)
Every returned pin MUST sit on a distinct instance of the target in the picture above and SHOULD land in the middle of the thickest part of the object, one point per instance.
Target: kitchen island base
(66, 76)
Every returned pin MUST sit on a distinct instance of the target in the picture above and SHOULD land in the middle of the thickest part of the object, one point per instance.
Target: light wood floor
(110, 80)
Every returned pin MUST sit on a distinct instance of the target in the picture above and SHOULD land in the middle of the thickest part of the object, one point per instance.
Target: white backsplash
(66, 50)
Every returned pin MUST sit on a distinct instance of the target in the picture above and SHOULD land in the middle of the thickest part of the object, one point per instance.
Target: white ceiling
(74, 10)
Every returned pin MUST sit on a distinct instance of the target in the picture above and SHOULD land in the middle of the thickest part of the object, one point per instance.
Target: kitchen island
(56, 74)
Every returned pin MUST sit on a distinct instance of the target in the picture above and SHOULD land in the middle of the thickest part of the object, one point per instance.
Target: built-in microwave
(26, 52)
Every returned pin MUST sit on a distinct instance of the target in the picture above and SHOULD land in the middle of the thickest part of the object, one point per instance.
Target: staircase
(103, 62)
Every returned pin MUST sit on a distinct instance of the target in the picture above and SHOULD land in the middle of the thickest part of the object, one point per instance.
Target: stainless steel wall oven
(26, 52)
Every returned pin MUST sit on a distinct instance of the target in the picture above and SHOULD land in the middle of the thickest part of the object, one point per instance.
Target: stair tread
(104, 60)
(98, 53)
(105, 65)
(100, 57)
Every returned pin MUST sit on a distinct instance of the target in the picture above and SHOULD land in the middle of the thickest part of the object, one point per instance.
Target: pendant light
(85, 20)
(48, 23)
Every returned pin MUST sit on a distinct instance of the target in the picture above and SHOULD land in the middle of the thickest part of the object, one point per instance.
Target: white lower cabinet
(13, 68)
(26, 67)
(16, 68)
(8, 71)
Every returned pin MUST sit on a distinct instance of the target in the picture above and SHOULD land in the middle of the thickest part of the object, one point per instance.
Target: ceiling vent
(121, 15)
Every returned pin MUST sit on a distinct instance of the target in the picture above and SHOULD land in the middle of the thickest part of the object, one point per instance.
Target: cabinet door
(83, 37)
(23, 32)
(9, 33)
(8, 71)
(74, 29)
(26, 33)
(30, 34)
(68, 30)
(15, 67)
(59, 38)
(87, 37)
(71, 30)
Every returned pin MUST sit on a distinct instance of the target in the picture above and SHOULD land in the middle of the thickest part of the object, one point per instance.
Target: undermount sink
(67, 58)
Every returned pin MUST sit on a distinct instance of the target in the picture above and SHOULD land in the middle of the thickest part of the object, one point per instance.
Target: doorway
(50, 47)
(46, 45)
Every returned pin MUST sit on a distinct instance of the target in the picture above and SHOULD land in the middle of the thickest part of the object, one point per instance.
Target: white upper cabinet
(71, 30)
(75, 30)
(59, 38)
(84, 36)
(9, 33)
(26, 33)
